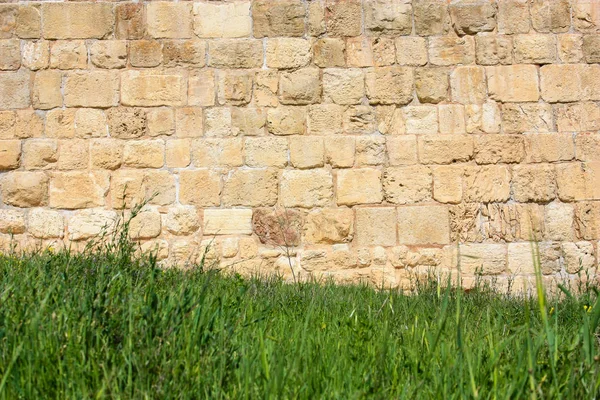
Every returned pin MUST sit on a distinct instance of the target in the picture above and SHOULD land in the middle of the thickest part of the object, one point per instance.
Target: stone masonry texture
(359, 140)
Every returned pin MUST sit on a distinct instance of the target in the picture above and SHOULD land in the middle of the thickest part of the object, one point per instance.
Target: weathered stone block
(401, 150)
(343, 86)
(359, 186)
(145, 225)
(92, 89)
(278, 18)
(487, 184)
(306, 152)
(231, 20)
(235, 53)
(286, 120)
(376, 226)
(145, 53)
(390, 85)
(451, 50)
(329, 225)
(177, 153)
(484, 259)
(10, 154)
(250, 188)
(109, 54)
(169, 20)
(513, 16)
(25, 189)
(126, 123)
(343, 18)
(448, 184)
(152, 89)
(406, 185)
(283, 53)
(235, 87)
(493, 149)
(77, 20)
(431, 17)
(78, 189)
(227, 222)
(432, 84)
(182, 220)
(535, 49)
(199, 187)
(15, 90)
(177, 53)
(11, 54)
(12, 221)
(71, 54)
(46, 92)
(534, 183)
(468, 84)
(551, 15)
(411, 51)
(472, 16)
(322, 119)
(329, 52)
(86, 224)
(558, 221)
(445, 149)
(306, 189)
(144, 154)
(513, 83)
(302, 86)
(266, 152)
(493, 49)
(527, 117)
(73, 154)
(130, 23)
(418, 225)
(106, 153)
(39, 154)
(388, 17)
(339, 151)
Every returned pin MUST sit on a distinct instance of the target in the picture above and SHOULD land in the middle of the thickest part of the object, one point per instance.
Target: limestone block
(483, 258)
(339, 151)
(307, 152)
(431, 17)
(248, 121)
(177, 53)
(130, 22)
(587, 220)
(329, 225)
(513, 83)
(10, 154)
(406, 185)
(189, 122)
(472, 16)
(89, 122)
(467, 84)
(278, 227)
(579, 257)
(227, 222)
(487, 184)
(266, 152)
(28, 22)
(421, 119)
(39, 154)
(535, 49)
(235, 53)
(145, 53)
(106, 153)
(73, 154)
(513, 16)
(201, 89)
(343, 86)
(11, 54)
(343, 18)
(284, 53)
(551, 15)
(432, 84)
(250, 187)
(68, 54)
(322, 119)
(302, 86)
(315, 21)
(144, 154)
(451, 50)
(46, 92)
(92, 89)
(78, 189)
(359, 52)
(527, 117)
(578, 181)
(329, 52)
(177, 153)
(149, 89)
(306, 189)
(86, 224)
(573, 82)
(401, 150)
(182, 220)
(445, 149)
(591, 48)
(15, 90)
(278, 18)
(25, 189)
(287, 120)
(570, 48)
(484, 118)
(390, 85)
(109, 54)
(77, 20)
(585, 16)
(235, 87)
(217, 122)
(376, 226)
(145, 225)
(161, 122)
(230, 20)
(61, 123)
(493, 49)
(12, 221)
(558, 221)
(494, 149)
(549, 147)
(370, 150)
(423, 225)
(587, 146)
(199, 187)
(126, 123)
(359, 186)
(534, 183)
(36, 55)
(169, 20)
(388, 17)
(448, 184)
(411, 51)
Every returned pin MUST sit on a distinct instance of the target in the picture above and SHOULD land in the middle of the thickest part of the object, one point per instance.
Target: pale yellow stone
(106, 153)
(28, 22)
(468, 85)
(587, 146)
(359, 186)
(558, 222)
(78, 189)
(579, 257)
(323, 119)
(302, 86)
(549, 147)
(513, 16)
(576, 117)
(177, 153)
(535, 49)
(77, 20)
(25, 189)
(235, 53)
(12, 221)
(109, 53)
(448, 183)
(150, 89)
(145, 225)
(46, 92)
(411, 51)
(472, 16)
(452, 118)
(284, 53)
(487, 184)
(39, 154)
(229, 20)
(420, 119)
(388, 17)
(144, 154)
(68, 54)
(493, 149)
(513, 83)
(423, 225)
(199, 187)
(286, 120)
(161, 122)
(182, 220)
(11, 54)
(329, 225)
(86, 224)
(552, 15)
(73, 154)
(432, 84)
(390, 85)
(339, 151)
(527, 117)
(266, 152)
(370, 151)
(15, 90)
(343, 86)
(248, 121)
(88, 123)
(534, 183)
(329, 52)
(376, 226)
(306, 189)
(10, 154)
(227, 221)
(250, 188)
(217, 122)
(445, 149)
(145, 53)
(493, 49)
(401, 150)
(306, 152)
(169, 20)
(211, 153)
(45, 224)
(570, 48)
(483, 118)
(235, 87)
(189, 122)
(406, 185)
(451, 50)
(92, 89)
(483, 258)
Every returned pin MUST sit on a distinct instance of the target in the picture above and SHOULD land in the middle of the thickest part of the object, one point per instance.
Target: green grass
(108, 324)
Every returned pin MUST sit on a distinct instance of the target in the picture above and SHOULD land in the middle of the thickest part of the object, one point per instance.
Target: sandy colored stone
(448, 183)
(389, 85)
(234, 87)
(189, 122)
(493, 49)
(109, 54)
(339, 151)
(25, 189)
(126, 123)
(494, 149)
(484, 258)
(278, 227)
(145, 53)
(467, 85)
(306, 152)
(86, 224)
(578, 181)
(559, 222)
(60, 123)
(235, 53)
(91, 89)
(180, 53)
(15, 90)
(248, 121)
(46, 91)
(229, 20)
(77, 20)
(286, 120)
(376, 226)
(359, 52)
(169, 20)
(145, 225)
(217, 122)
(513, 83)
(160, 122)
(12, 221)
(487, 184)
(322, 119)
(549, 147)
(201, 88)
(587, 146)
(570, 48)
(306, 189)
(250, 188)
(28, 22)
(106, 153)
(78, 189)
(39, 154)
(451, 50)
(513, 16)
(431, 17)
(420, 119)
(199, 187)
(302, 86)
(527, 117)
(278, 18)
(406, 185)
(472, 16)
(591, 48)
(177, 153)
(579, 257)
(535, 183)
(388, 17)
(10, 154)
(284, 53)
(148, 89)
(68, 54)
(36, 55)
(227, 222)
(73, 154)
(343, 18)
(551, 15)
(182, 220)
(144, 154)
(359, 186)
(266, 152)
(445, 149)
(11, 54)
(359, 119)
(401, 150)
(423, 225)
(130, 21)
(329, 52)
(535, 49)
(329, 225)
(343, 86)
(411, 51)
(567, 83)
(432, 84)
(370, 150)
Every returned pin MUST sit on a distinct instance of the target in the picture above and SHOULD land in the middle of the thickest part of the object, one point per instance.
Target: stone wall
(366, 138)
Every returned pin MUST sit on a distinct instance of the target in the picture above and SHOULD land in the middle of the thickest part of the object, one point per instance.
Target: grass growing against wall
(109, 324)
